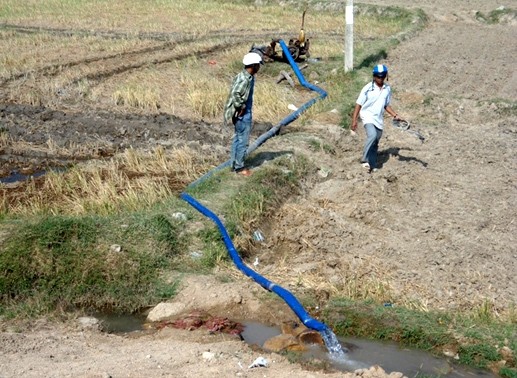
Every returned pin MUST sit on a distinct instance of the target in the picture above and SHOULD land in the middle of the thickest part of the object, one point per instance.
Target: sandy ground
(435, 225)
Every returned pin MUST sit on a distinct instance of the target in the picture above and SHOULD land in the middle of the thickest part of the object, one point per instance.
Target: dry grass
(204, 94)
(129, 181)
(271, 100)
(183, 162)
(192, 16)
(71, 151)
(137, 96)
(187, 73)
(200, 85)
(358, 282)
(5, 139)
(31, 52)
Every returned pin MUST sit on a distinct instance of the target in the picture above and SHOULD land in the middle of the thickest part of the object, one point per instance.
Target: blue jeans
(240, 143)
(371, 145)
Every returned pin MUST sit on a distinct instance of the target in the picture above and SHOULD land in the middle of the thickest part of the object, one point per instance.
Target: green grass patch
(65, 262)
(317, 145)
(479, 341)
(497, 16)
(209, 184)
(505, 108)
(119, 261)
(266, 189)
(508, 372)
(242, 205)
(214, 250)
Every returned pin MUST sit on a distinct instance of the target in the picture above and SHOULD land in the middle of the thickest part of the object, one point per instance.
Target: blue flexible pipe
(286, 295)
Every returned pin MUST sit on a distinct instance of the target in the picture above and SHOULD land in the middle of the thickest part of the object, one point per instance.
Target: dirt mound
(434, 226)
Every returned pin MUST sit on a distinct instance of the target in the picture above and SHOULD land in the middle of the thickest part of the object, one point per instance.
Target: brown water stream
(359, 354)
(362, 354)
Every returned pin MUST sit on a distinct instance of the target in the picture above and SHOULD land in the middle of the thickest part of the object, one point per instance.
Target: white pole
(349, 36)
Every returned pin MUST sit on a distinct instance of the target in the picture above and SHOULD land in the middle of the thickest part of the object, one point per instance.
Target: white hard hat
(251, 58)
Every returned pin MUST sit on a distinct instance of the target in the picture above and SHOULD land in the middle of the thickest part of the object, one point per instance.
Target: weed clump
(65, 262)
(481, 346)
(500, 15)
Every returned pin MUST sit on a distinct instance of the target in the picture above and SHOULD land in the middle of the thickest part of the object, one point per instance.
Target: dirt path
(435, 225)
(65, 352)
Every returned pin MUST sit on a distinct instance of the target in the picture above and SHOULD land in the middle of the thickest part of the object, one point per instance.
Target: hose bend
(286, 295)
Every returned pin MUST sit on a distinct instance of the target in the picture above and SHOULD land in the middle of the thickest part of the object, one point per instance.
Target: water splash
(335, 349)
(338, 354)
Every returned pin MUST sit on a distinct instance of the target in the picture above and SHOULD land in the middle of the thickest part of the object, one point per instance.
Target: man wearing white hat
(238, 110)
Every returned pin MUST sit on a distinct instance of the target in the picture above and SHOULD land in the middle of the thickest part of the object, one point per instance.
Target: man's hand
(354, 125)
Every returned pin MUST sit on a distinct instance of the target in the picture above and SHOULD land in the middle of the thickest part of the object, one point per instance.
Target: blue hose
(286, 295)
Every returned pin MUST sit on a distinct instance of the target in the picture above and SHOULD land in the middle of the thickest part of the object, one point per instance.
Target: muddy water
(362, 354)
(121, 323)
(359, 353)
(16, 176)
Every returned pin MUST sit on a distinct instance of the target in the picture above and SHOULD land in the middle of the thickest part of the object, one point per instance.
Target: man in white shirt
(374, 99)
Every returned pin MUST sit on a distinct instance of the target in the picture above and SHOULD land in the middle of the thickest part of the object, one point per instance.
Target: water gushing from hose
(335, 349)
